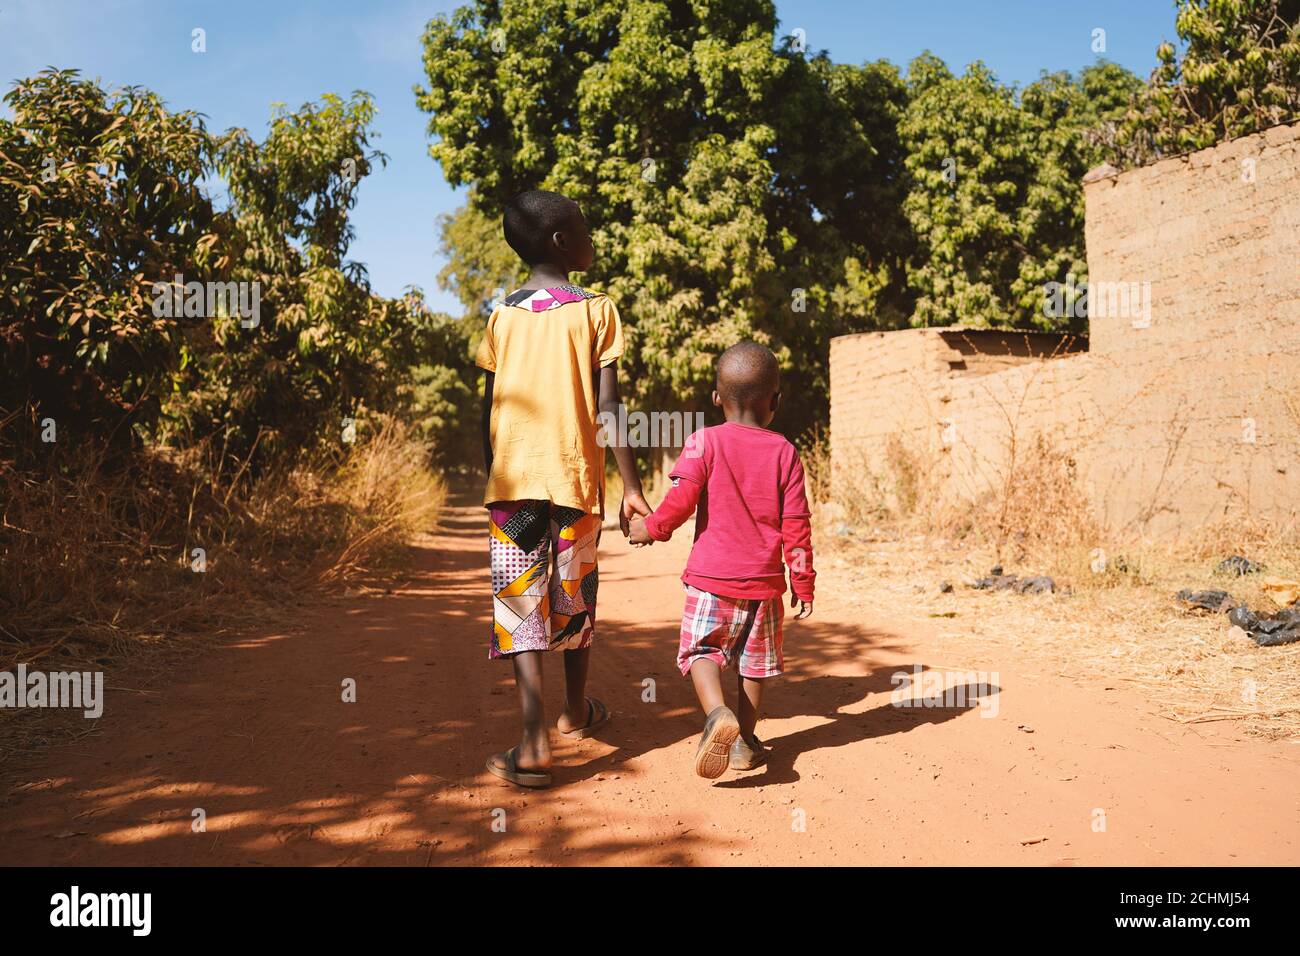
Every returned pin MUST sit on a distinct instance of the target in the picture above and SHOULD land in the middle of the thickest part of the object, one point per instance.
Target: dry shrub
(1035, 509)
(95, 561)
(852, 494)
(1040, 511)
(905, 480)
(1114, 616)
(815, 453)
(387, 494)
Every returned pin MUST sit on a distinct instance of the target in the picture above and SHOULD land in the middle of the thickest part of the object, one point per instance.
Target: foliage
(324, 347)
(100, 195)
(741, 188)
(440, 398)
(995, 194)
(103, 203)
(690, 141)
(1238, 74)
(480, 267)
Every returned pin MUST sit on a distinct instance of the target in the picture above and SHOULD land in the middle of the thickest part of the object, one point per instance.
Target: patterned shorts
(730, 630)
(543, 576)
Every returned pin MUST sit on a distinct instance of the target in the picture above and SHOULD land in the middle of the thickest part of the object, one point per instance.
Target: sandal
(714, 752)
(532, 779)
(597, 714)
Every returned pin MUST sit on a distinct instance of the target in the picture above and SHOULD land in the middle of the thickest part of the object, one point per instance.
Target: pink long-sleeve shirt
(747, 483)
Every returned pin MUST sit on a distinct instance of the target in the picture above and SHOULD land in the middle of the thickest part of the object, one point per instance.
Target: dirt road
(1036, 770)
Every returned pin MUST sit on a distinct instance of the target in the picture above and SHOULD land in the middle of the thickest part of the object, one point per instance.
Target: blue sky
(292, 51)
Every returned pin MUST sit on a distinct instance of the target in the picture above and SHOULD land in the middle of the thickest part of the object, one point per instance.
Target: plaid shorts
(544, 576)
(734, 632)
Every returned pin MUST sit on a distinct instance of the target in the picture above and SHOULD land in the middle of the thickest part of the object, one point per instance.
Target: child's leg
(575, 690)
(707, 678)
(519, 549)
(574, 580)
(761, 657)
(749, 697)
(711, 625)
(535, 747)
(713, 754)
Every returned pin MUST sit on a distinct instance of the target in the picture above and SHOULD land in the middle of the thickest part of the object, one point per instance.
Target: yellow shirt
(545, 346)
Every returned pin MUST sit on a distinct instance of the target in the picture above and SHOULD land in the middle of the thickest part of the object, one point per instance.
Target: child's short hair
(531, 218)
(747, 372)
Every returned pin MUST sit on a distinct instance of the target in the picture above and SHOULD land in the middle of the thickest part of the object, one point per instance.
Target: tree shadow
(828, 668)
(252, 732)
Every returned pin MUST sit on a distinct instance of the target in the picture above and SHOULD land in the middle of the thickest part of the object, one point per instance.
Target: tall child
(550, 354)
(746, 485)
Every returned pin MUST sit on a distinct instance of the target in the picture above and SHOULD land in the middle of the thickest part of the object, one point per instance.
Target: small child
(748, 485)
(550, 354)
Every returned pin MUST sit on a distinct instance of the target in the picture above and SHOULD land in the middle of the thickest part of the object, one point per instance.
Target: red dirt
(254, 732)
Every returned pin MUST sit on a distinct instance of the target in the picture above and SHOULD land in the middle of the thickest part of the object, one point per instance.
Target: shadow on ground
(252, 738)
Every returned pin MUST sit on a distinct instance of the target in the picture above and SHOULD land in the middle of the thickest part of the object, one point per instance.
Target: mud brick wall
(944, 396)
(1178, 415)
(1217, 235)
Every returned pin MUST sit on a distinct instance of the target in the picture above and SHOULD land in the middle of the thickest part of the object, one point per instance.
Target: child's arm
(796, 539)
(677, 506)
(489, 379)
(634, 502)
(690, 476)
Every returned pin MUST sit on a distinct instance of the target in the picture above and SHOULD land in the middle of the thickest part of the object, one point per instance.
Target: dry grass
(94, 564)
(1114, 617)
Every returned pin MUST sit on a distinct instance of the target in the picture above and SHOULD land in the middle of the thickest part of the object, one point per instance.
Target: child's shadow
(843, 729)
(820, 647)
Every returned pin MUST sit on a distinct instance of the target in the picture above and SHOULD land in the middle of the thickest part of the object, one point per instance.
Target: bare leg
(535, 748)
(721, 728)
(707, 678)
(575, 690)
(749, 697)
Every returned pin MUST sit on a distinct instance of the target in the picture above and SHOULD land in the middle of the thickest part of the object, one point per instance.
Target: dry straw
(97, 565)
(898, 514)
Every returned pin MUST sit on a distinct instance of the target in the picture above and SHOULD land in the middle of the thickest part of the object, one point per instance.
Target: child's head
(547, 228)
(749, 383)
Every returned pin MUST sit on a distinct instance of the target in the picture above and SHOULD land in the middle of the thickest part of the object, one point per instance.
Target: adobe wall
(1204, 401)
(1186, 407)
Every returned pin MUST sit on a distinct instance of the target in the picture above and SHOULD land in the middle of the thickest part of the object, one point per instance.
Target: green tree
(995, 196)
(324, 347)
(102, 206)
(480, 267)
(100, 196)
(839, 191)
(690, 138)
(440, 399)
(1239, 73)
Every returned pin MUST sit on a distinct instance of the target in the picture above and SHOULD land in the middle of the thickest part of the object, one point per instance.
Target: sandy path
(255, 734)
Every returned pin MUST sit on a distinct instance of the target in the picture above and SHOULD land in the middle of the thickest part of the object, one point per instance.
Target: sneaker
(748, 754)
(714, 753)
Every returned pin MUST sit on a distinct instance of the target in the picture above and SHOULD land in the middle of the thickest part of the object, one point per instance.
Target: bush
(99, 197)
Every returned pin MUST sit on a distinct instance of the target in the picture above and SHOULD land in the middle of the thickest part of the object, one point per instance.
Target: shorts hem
(717, 657)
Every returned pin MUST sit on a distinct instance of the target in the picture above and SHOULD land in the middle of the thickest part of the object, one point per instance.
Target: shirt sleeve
(486, 356)
(607, 337)
(796, 533)
(689, 477)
